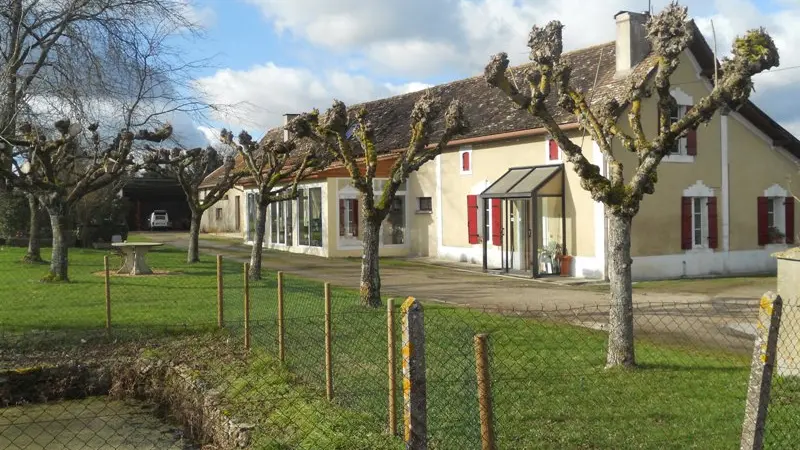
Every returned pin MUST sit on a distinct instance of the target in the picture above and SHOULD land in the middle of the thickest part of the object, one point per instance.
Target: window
(281, 225)
(465, 159)
(309, 216)
(348, 217)
(684, 148)
(424, 204)
(553, 151)
(699, 222)
(775, 217)
(218, 213)
(698, 218)
(394, 226)
(273, 228)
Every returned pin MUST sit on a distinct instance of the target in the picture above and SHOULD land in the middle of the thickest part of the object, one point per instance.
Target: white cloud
(262, 94)
(424, 39)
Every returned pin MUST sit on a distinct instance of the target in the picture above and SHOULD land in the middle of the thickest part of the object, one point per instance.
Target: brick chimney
(286, 119)
(632, 45)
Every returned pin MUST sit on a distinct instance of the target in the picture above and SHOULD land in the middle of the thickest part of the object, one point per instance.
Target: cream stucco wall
(423, 229)
(753, 166)
(657, 227)
(228, 220)
(489, 162)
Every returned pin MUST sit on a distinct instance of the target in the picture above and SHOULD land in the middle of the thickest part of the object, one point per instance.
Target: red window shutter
(686, 223)
(342, 218)
(713, 240)
(497, 222)
(472, 219)
(354, 216)
(789, 213)
(553, 153)
(465, 162)
(763, 232)
(691, 139)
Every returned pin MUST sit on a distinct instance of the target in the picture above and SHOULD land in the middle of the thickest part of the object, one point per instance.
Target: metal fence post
(328, 361)
(392, 359)
(281, 332)
(107, 277)
(220, 297)
(761, 368)
(415, 419)
(246, 307)
(484, 392)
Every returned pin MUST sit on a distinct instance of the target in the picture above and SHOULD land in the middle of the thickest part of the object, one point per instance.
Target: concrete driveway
(439, 283)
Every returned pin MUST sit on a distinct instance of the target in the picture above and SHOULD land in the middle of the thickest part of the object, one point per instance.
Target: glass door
(519, 242)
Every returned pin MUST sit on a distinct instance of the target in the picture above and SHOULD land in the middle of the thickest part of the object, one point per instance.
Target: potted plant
(775, 236)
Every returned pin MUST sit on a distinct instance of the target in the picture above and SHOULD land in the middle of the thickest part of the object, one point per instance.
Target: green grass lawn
(549, 386)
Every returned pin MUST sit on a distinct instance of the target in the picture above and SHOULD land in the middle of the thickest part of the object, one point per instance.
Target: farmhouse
(503, 197)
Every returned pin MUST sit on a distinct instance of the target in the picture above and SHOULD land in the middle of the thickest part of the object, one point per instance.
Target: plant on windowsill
(775, 236)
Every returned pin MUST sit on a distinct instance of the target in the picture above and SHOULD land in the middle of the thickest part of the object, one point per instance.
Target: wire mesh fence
(317, 371)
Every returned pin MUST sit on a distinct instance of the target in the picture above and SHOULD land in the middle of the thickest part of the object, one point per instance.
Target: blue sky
(282, 56)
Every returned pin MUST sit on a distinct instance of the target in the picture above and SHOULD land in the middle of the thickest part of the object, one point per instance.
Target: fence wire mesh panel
(154, 364)
(782, 428)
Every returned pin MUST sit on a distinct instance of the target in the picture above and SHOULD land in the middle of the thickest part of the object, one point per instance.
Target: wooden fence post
(281, 332)
(107, 277)
(484, 392)
(220, 297)
(415, 418)
(328, 362)
(761, 368)
(246, 307)
(390, 344)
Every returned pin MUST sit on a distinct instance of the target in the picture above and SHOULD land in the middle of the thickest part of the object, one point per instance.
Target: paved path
(682, 318)
(427, 282)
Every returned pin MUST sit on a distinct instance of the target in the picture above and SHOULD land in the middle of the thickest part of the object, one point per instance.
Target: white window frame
(281, 206)
(465, 149)
(560, 157)
(699, 191)
(704, 231)
(776, 196)
(296, 216)
(684, 101)
(347, 242)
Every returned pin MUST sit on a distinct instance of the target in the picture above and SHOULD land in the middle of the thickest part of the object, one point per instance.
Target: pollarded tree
(190, 168)
(331, 131)
(669, 34)
(276, 167)
(62, 167)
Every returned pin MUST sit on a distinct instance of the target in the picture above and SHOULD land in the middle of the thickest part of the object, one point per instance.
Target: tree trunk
(620, 316)
(59, 258)
(370, 259)
(258, 242)
(194, 238)
(34, 254)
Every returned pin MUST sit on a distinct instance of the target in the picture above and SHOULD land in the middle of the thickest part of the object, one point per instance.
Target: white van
(159, 219)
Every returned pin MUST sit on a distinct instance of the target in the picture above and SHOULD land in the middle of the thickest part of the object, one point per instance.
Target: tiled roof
(491, 113)
(488, 110)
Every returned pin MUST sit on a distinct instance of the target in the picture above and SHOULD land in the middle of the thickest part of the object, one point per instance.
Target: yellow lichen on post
(761, 369)
(406, 305)
(415, 433)
(766, 304)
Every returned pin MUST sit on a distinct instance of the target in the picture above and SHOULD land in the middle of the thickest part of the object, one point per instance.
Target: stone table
(133, 253)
